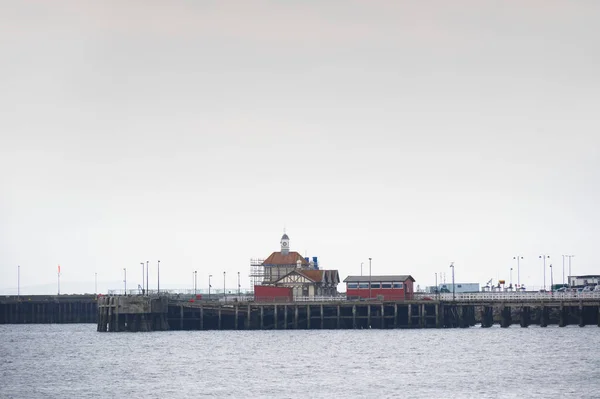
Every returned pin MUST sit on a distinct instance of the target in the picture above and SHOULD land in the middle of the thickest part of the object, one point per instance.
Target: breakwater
(34, 309)
(120, 313)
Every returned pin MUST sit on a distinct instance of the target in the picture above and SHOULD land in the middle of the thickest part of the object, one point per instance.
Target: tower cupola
(285, 244)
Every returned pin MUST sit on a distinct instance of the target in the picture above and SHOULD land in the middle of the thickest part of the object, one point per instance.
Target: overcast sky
(416, 133)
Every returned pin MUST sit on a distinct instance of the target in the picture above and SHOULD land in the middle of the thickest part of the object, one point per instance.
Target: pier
(120, 313)
(47, 309)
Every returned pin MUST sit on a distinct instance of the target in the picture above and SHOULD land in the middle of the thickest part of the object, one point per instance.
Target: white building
(582, 281)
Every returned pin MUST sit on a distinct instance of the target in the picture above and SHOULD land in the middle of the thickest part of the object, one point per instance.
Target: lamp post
(158, 277)
(239, 286)
(143, 291)
(58, 279)
(518, 258)
(195, 281)
(436, 286)
(125, 280)
(563, 270)
(19, 282)
(361, 263)
(569, 276)
(510, 283)
(209, 276)
(224, 292)
(370, 278)
(96, 283)
(551, 279)
(544, 258)
(147, 274)
(453, 290)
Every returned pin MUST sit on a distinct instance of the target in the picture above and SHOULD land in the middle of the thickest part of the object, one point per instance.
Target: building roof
(401, 277)
(587, 276)
(278, 258)
(285, 237)
(317, 276)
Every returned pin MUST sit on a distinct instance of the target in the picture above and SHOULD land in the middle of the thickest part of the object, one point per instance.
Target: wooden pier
(45, 309)
(154, 314)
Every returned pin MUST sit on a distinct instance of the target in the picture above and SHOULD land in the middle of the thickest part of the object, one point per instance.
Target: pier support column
(562, 316)
(382, 316)
(235, 323)
(285, 317)
(322, 318)
(487, 316)
(248, 318)
(339, 313)
(354, 316)
(262, 317)
(505, 316)
(369, 315)
(220, 317)
(599, 315)
(202, 317)
(295, 317)
(395, 315)
(308, 317)
(275, 317)
(543, 316)
(181, 317)
(422, 315)
(581, 315)
(409, 315)
(525, 316)
(438, 319)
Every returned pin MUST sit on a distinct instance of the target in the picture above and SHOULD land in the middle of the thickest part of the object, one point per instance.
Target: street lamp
(436, 286)
(370, 278)
(96, 283)
(158, 278)
(361, 263)
(125, 279)
(209, 276)
(544, 258)
(518, 258)
(510, 284)
(147, 274)
(19, 281)
(453, 291)
(551, 279)
(224, 292)
(239, 285)
(569, 276)
(195, 281)
(142, 263)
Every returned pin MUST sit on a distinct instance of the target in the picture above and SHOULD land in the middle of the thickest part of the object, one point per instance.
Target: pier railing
(509, 296)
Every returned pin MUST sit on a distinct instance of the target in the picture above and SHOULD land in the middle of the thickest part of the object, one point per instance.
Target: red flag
(58, 269)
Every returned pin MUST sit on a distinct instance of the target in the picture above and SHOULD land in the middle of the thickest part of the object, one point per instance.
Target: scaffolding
(257, 271)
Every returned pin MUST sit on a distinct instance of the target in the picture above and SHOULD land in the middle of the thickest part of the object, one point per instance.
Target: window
(352, 286)
(398, 285)
(363, 285)
(375, 285)
(386, 285)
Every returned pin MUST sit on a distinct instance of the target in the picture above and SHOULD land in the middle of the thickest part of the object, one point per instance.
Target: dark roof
(317, 276)
(291, 258)
(401, 277)
(587, 276)
(285, 237)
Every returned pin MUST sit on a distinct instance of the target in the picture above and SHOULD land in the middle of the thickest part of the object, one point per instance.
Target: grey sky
(415, 133)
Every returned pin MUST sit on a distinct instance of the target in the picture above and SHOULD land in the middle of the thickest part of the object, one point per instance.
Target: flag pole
(58, 279)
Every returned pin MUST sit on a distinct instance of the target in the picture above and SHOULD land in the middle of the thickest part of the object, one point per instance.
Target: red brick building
(388, 288)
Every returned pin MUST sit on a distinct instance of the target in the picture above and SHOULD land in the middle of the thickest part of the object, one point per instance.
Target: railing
(509, 296)
(189, 292)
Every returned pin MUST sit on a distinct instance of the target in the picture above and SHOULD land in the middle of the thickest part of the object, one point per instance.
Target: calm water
(74, 361)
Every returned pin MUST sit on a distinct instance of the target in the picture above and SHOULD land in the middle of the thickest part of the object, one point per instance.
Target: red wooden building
(388, 288)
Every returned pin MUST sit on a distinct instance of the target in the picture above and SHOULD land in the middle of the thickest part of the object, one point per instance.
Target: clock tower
(285, 244)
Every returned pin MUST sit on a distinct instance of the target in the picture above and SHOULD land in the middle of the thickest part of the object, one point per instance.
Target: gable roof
(278, 258)
(401, 277)
(316, 276)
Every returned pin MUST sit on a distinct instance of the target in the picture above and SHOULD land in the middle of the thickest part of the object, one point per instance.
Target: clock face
(284, 244)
